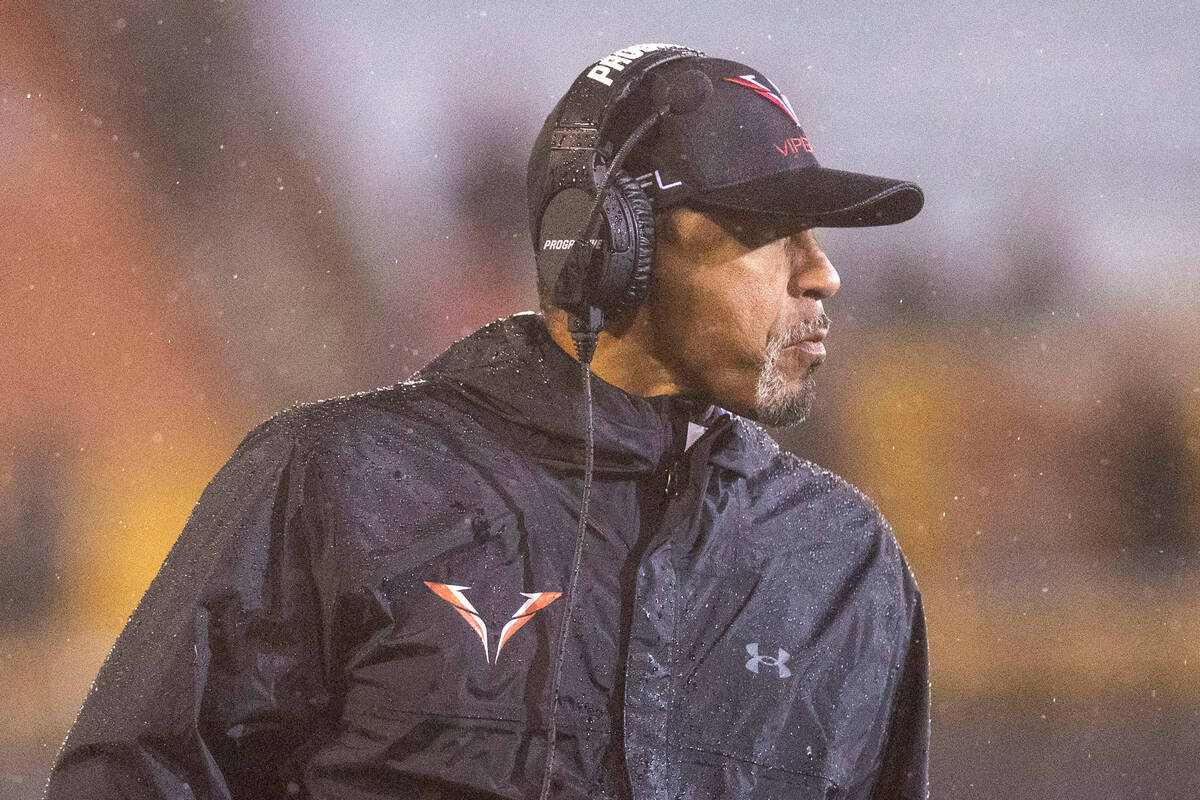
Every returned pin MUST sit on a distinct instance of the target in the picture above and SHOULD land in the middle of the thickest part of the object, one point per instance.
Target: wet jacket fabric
(364, 601)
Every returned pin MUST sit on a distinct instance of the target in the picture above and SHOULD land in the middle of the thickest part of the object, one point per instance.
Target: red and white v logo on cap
(752, 82)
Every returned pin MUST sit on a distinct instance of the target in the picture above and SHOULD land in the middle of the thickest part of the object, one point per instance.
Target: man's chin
(778, 406)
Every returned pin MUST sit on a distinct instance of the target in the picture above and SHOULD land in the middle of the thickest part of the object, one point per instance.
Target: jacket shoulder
(336, 422)
(832, 511)
(405, 448)
(778, 470)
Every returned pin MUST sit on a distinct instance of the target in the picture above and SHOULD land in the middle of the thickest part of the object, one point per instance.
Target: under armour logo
(778, 661)
(535, 602)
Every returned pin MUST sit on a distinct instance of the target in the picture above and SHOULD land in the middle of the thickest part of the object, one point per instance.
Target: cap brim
(821, 197)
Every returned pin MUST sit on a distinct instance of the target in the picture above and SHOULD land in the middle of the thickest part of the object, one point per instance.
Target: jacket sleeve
(218, 675)
(904, 770)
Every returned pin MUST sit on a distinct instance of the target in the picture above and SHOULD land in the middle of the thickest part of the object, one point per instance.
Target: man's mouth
(810, 347)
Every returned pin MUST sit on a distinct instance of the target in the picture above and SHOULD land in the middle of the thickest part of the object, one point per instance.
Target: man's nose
(813, 275)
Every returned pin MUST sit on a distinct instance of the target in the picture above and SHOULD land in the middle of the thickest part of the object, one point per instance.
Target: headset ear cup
(641, 254)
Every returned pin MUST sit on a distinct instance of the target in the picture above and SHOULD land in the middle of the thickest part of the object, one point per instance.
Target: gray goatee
(780, 401)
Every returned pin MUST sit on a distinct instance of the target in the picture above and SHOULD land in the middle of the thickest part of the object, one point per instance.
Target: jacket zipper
(671, 489)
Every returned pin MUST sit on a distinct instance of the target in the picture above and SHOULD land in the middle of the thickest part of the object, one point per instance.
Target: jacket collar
(513, 368)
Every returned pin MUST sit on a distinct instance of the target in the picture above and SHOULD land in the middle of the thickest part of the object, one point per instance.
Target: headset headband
(589, 103)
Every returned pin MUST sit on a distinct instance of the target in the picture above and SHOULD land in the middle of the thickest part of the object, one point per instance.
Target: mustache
(805, 328)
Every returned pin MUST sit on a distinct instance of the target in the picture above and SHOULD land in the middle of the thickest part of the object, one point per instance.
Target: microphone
(683, 93)
(675, 96)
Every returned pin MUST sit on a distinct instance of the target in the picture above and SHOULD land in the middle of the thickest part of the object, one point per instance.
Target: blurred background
(212, 210)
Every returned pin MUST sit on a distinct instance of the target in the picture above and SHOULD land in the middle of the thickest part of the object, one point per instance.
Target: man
(364, 602)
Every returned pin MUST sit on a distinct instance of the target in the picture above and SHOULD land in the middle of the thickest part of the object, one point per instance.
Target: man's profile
(383, 595)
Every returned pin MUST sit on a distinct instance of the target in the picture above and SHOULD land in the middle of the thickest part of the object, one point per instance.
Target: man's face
(732, 301)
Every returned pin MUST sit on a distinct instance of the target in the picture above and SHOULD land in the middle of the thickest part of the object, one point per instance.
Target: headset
(597, 273)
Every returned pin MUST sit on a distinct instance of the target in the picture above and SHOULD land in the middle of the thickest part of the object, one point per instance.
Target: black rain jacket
(364, 601)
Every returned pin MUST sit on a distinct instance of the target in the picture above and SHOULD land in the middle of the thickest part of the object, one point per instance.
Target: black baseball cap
(743, 150)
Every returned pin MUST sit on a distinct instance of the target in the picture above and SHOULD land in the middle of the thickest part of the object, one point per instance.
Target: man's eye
(744, 231)
(755, 236)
